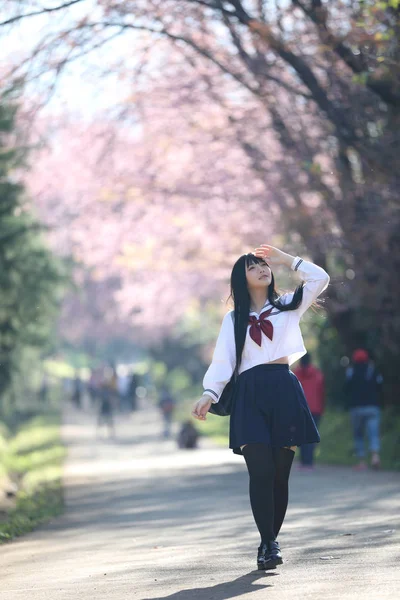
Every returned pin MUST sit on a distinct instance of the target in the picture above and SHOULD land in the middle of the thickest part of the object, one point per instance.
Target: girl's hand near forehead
(273, 256)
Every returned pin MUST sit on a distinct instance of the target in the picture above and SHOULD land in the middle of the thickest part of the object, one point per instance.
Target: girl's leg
(260, 465)
(283, 459)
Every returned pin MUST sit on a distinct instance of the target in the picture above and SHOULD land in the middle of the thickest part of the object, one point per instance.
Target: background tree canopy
(30, 277)
(305, 96)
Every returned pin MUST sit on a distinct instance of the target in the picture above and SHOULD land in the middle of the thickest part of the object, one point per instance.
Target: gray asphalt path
(145, 521)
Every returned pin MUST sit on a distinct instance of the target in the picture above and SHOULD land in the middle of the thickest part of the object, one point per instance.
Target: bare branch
(344, 129)
(317, 14)
(177, 38)
(39, 12)
(257, 65)
(213, 5)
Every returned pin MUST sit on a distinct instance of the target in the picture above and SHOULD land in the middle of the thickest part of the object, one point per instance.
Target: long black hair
(241, 299)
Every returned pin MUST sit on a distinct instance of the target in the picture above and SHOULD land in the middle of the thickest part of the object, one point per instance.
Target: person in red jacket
(313, 383)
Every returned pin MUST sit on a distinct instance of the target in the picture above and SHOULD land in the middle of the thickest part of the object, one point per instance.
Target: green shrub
(33, 457)
(336, 445)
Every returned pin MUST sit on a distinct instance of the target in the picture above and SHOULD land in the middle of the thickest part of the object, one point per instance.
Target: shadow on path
(222, 591)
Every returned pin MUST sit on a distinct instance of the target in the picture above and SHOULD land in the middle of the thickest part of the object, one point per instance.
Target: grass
(32, 457)
(336, 445)
(217, 428)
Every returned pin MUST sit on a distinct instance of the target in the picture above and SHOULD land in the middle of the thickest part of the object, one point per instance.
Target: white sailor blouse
(271, 334)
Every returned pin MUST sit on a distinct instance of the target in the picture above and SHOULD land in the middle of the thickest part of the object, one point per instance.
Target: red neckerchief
(262, 324)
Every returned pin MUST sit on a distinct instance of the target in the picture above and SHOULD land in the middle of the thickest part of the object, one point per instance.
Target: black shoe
(276, 551)
(269, 555)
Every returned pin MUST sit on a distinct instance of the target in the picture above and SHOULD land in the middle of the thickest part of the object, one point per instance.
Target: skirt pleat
(269, 407)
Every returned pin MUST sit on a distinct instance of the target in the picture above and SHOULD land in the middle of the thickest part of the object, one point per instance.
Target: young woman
(270, 416)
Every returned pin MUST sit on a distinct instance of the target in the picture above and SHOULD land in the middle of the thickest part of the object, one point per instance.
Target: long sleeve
(223, 362)
(316, 281)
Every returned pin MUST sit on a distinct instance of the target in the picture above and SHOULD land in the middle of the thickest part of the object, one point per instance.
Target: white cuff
(296, 263)
(211, 394)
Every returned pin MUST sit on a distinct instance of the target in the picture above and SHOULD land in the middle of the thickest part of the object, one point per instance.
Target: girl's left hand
(202, 407)
(273, 256)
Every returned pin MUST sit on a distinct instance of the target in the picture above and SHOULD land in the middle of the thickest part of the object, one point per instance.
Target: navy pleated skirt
(269, 407)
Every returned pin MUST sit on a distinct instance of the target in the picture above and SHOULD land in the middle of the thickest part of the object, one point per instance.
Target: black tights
(269, 470)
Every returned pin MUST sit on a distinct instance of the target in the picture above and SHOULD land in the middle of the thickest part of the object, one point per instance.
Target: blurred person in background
(77, 391)
(106, 402)
(363, 388)
(313, 383)
(132, 386)
(188, 436)
(93, 386)
(113, 384)
(166, 404)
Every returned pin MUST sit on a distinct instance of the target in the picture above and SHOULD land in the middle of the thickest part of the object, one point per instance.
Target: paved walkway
(145, 521)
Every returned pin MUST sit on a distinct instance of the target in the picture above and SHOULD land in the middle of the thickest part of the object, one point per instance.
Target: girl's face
(258, 275)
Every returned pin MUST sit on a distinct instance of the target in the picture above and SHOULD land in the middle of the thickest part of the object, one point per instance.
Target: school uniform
(269, 405)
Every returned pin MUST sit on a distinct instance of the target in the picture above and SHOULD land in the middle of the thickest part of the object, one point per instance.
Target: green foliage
(336, 445)
(30, 276)
(331, 351)
(36, 444)
(360, 78)
(33, 457)
(387, 4)
(182, 359)
(31, 510)
(337, 442)
(215, 427)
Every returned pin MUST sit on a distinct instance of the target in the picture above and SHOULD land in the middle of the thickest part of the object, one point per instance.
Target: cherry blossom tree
(325, 78)
(156, 219)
